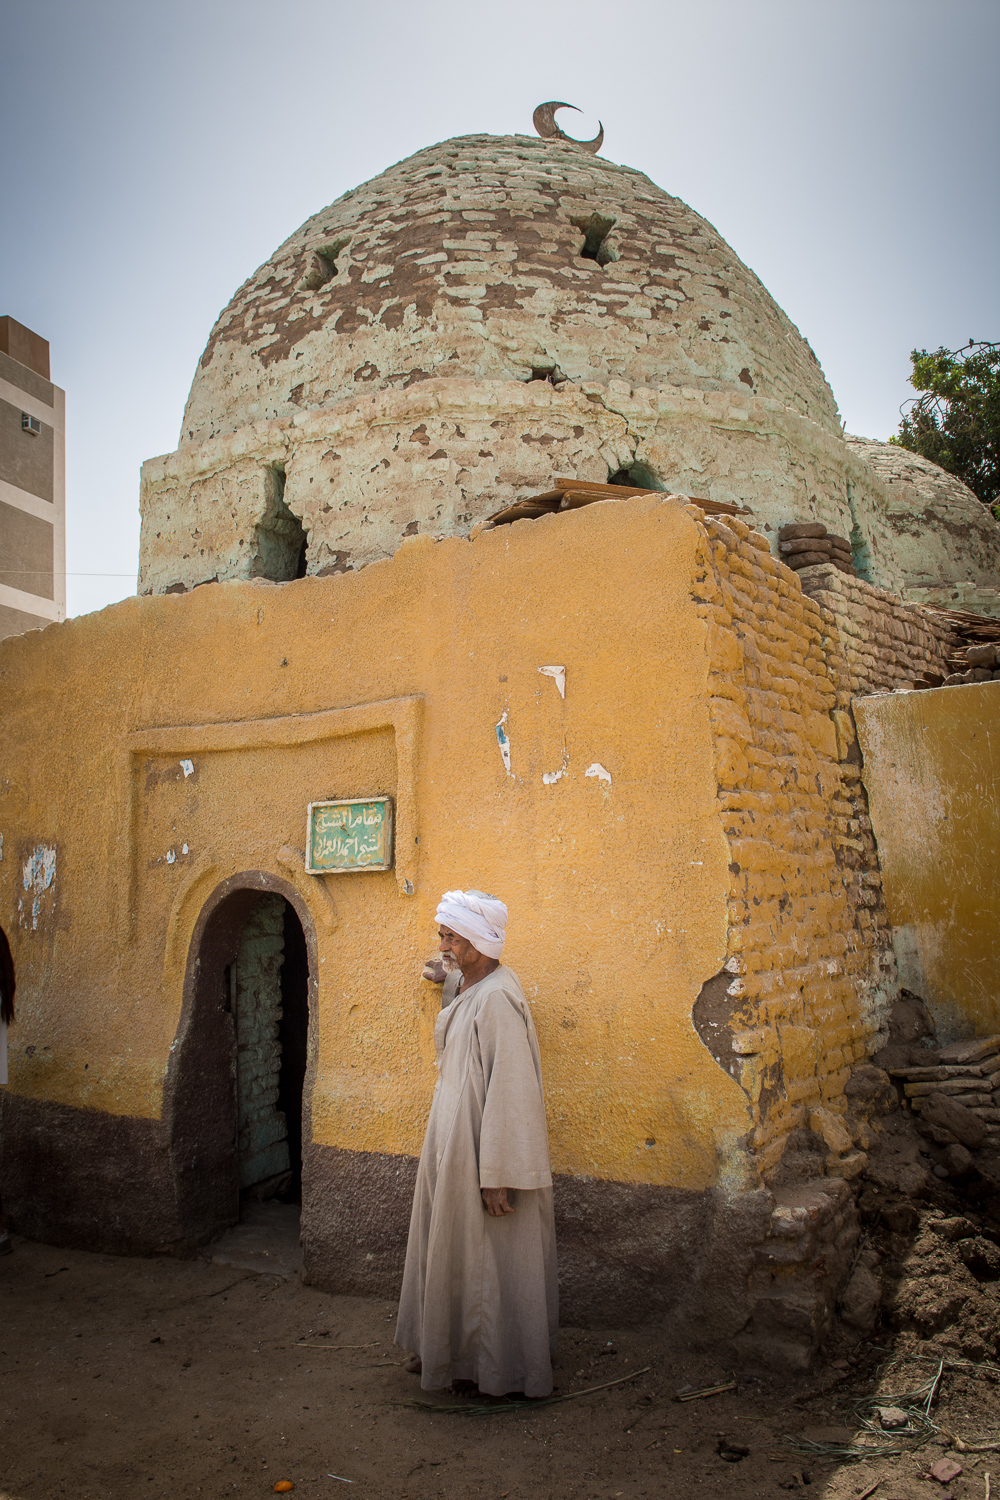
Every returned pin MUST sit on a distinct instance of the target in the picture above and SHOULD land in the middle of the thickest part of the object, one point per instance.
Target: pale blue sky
(155, 154)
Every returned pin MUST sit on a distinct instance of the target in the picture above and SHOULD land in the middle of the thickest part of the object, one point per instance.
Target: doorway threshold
(266, 1240)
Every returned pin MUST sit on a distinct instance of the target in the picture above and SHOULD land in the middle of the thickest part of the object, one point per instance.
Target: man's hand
(434, 971)
(495, 1202)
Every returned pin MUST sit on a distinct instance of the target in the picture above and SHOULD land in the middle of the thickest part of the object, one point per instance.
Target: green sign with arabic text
(348, 836)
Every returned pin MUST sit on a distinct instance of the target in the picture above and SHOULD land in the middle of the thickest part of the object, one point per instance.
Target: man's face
(461, 950)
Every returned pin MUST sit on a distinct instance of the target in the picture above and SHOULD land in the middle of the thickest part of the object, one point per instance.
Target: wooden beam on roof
(572, 494)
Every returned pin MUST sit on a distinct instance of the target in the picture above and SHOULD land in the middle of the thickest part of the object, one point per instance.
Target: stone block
(861, 1298)
(966, 1127)
(798, 1310)
(832, 1128)
(848, 1167)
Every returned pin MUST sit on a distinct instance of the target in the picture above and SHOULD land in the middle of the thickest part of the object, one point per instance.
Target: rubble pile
(936, 1267)
(978, 663)
(958, 1095)
(891, 1211)
(928, 1259)
(803, 544)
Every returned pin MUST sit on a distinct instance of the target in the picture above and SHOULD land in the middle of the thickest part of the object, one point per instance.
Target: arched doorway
(235, 1089)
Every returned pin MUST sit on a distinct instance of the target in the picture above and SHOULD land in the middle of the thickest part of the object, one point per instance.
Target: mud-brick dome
(489, 314)
(486, 258)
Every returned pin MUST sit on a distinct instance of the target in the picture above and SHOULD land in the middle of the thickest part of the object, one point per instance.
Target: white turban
(476, 916)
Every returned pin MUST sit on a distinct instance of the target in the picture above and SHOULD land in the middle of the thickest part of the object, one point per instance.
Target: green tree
(956, 420)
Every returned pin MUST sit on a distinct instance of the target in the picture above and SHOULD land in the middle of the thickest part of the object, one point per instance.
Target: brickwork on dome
(808, 942)
(465, 260)
(493, 312)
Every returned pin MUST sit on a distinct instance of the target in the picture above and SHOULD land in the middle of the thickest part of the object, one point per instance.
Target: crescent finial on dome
(544, 121)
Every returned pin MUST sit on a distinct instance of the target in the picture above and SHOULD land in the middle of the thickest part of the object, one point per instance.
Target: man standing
(8, 984)
(480, 1302)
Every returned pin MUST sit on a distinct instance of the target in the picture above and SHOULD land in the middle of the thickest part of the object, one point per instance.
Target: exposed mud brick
(933, 1314)
(958, 1160)
(901, 1218)
(886, 641)
(977, 1050)
(796, 1312)
(963, 1124)
(801, 529)
(952, 1229)
(982, 1257)
(797, 545)
(804, 1209)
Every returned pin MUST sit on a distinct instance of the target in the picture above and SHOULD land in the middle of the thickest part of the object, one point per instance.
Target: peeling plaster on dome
(464, 261)
(962, 569)
(482, 317)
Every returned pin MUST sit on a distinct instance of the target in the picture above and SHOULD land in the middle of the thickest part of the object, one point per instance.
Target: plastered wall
(932, 769)
(682, 839)
(191, 758)
(445, 454)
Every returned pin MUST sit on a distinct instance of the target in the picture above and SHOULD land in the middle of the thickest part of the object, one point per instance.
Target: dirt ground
(130, 1378)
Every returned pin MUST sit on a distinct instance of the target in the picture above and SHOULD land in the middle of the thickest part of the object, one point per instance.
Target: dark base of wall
(628, 1253)
(355, 1218)
(85, 1179)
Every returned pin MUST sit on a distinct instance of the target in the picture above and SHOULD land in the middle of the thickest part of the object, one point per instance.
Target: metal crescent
(595, 145)
(544, 121)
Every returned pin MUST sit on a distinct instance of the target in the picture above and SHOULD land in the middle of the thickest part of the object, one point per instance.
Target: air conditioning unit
(30, 424)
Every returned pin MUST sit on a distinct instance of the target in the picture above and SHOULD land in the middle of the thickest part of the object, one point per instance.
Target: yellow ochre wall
(698, 679)
(932, 769)
(617, 890)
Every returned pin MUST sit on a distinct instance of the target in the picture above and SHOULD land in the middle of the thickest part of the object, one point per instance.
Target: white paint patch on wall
(599, 771)
(558, 675)
(38, 874)
(503, 740)
(187, 766)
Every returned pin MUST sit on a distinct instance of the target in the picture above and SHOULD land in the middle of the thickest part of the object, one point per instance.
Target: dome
(489, 258)
(487, 316)
(945, 542)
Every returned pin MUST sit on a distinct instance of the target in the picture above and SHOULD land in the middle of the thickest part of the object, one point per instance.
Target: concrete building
(630, 718)
(32, 484)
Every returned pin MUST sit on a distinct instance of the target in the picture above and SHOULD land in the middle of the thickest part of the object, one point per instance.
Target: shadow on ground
(214, 1377)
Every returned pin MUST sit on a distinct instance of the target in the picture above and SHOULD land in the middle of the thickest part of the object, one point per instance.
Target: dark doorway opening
(293, 1037)
(240, 1064)
(269, 982)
